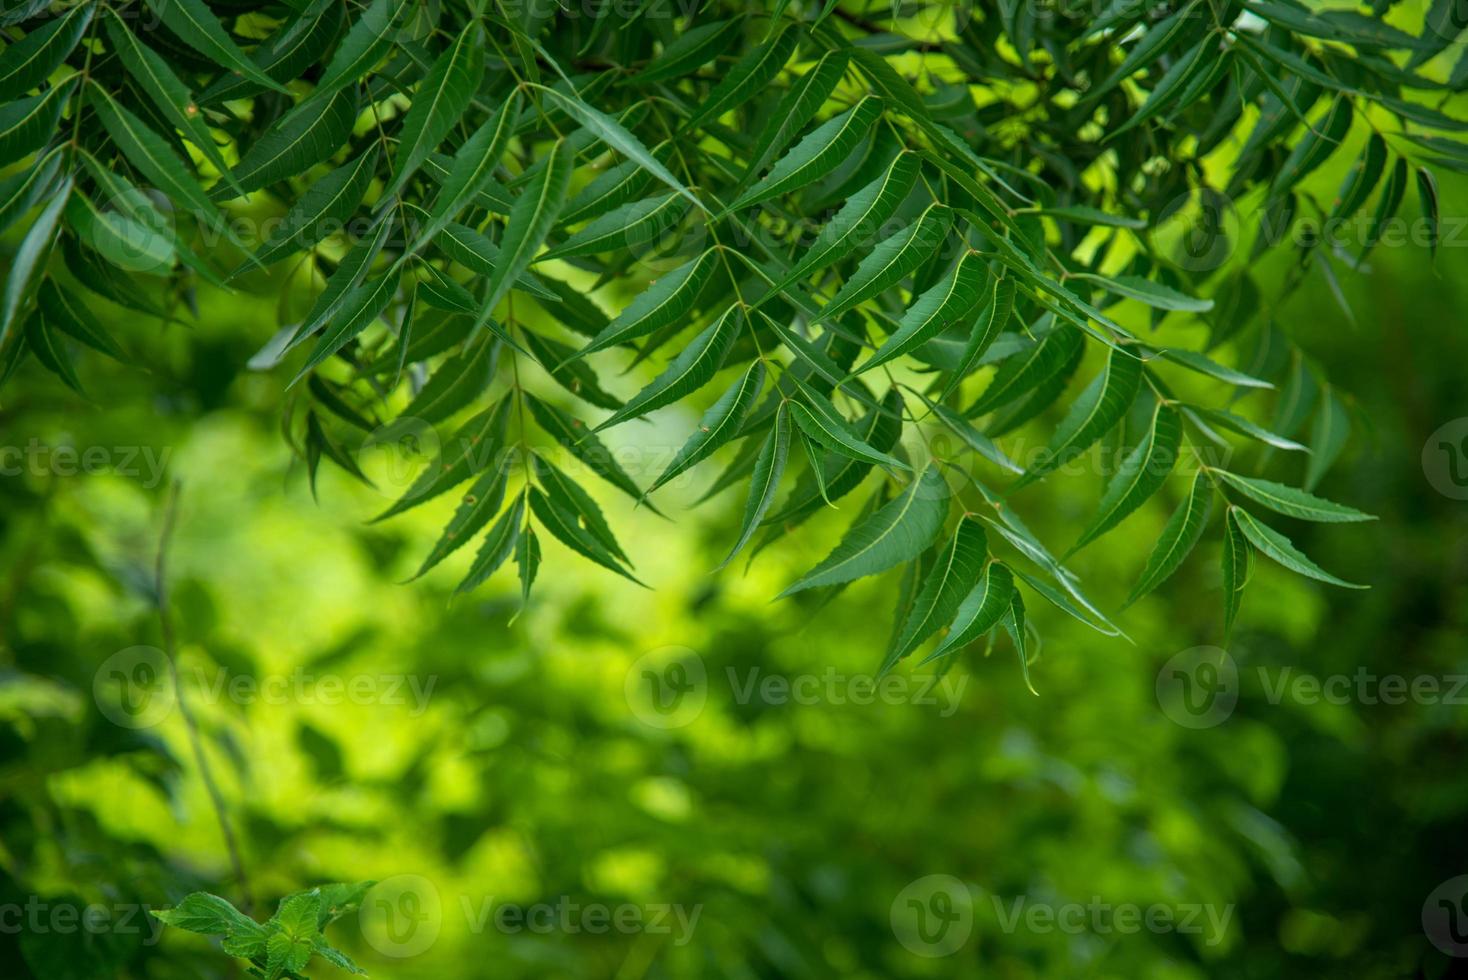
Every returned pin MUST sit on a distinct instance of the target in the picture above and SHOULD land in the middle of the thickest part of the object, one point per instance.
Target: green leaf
(1244, 427)
(472, 169)
(1427, 194)
(481, 256)
(1084, 214)
(476, 447)
(816, 155)
(880, 428)
(894, 259)
(1098, 408)
(610, 189)
(1292, 502)
(309, 134)
(1386, 206)
(26, 124)
(801, 101)
(438, 102)
(1361, 180)
(479, 505)
(49, 350)
(359, 309)
(568, 495)
(861, 217)
(577, 377)
(527, 558)
(64, 310)
(565, 528)
(171, 97)
(584, 445)
(197, 27)
(995, 307)
(29, 261)
(718, 425)
(1194, 361)
(1178, 538)
(321, 210)
(980, 610)
(1029, 371)
(365, 44)
(971, 437)
(1328, 437)
(21, 191)
(154, 159)
(1154, 294)
(1141, 474)
(749, 76)
(895, 533)
(1314, 147)
(690, 51)
(208, 915)
(496, 547)
(1278, 548)
(457, 382)
(286, 54)
(610, 132)
(530, 219)
(1013, 622)
(31, 60)
(764, 483)
(635, 225)
(952, 301)
(954, 576)
(1238, 558)
(668, 300)
(827, 427)
(694, 367)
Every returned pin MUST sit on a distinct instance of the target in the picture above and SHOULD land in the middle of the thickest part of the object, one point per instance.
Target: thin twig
(170, 650)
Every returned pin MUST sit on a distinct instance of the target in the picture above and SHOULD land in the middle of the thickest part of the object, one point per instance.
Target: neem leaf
(895, 533)
(718, 425)
(666, 301)
(323, 209)
(1178, 538)
(1292, 502)
(816, 155)
(950, 302)
(796, 107)
(1098, 408)
(694, 367)
(438, 102)
(196, 25)
(530, 219)
(1278, 548)
(1141, 474)
(31, 60)
(980, 610)
(764, 483)
(949, 581)
(894, 259)
(1237, 560)
(747, 78)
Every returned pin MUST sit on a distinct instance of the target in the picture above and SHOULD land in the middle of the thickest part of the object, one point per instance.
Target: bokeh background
(529, 769)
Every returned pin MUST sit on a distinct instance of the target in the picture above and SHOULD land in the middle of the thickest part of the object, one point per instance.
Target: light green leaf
(1098, 408)
(816, 155)
(438, 102)
(954, 576)
(895, 533)
(1244, 427)
(894, 259)
(980, 610)
(530, 219)
(1292, 502)
(952, 301)
(197, 27)
(668, 300)
(496, 547)
(475, 447)
(1277, 547)
(764, 483)
(1154, 294)
(694, 367)
(584, 445)
(718, 425)
(1084, 214)
(1178, 538)
(1141, 474)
